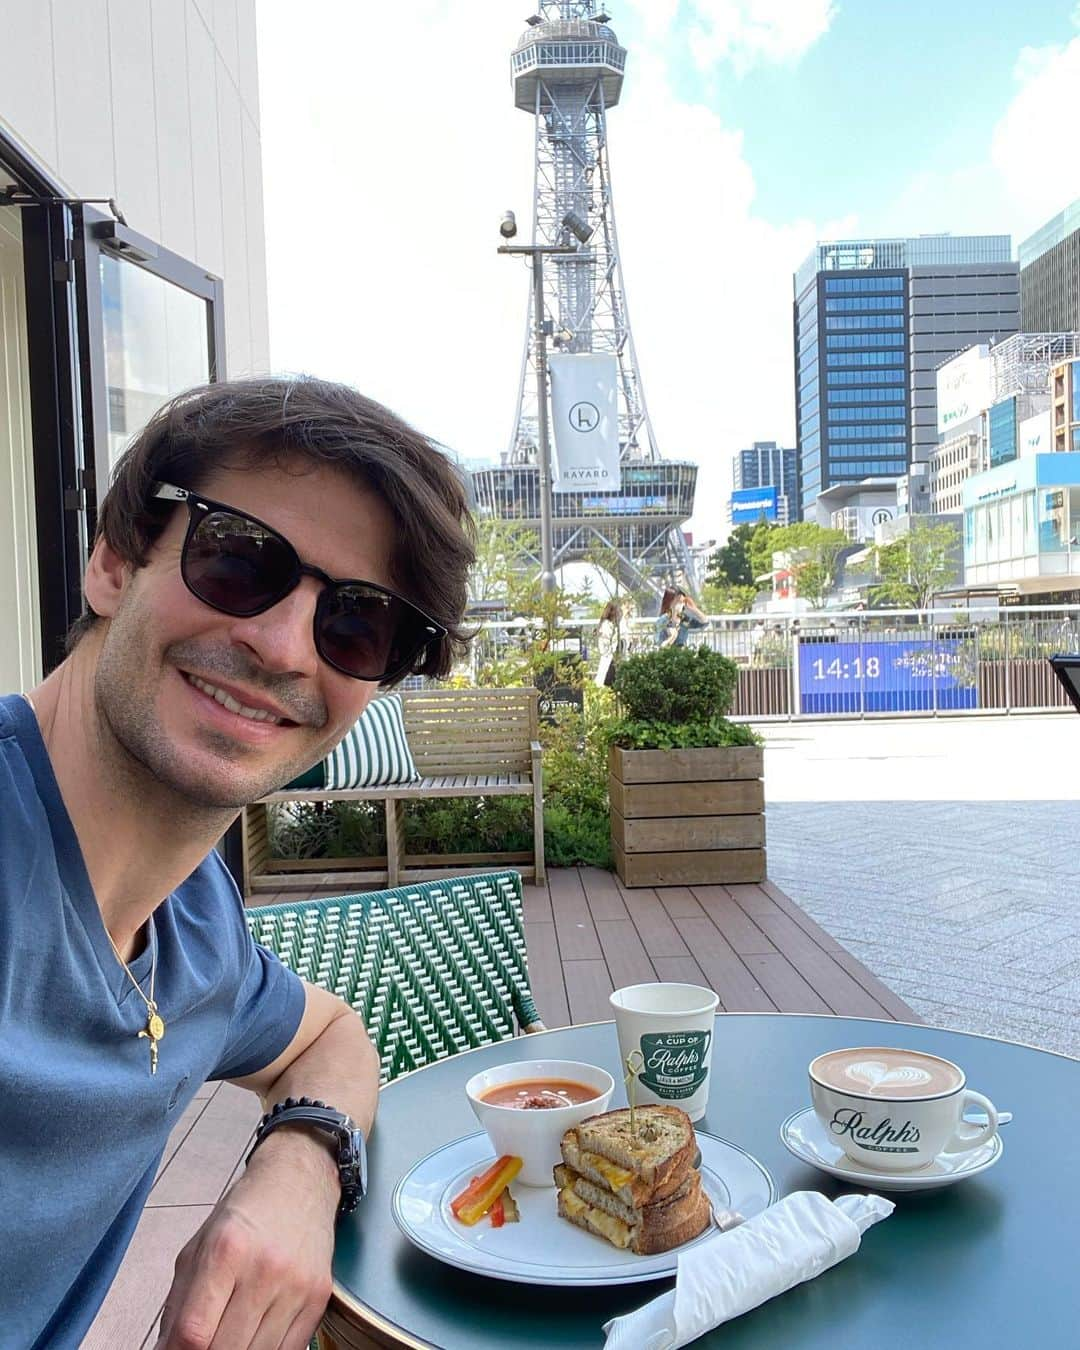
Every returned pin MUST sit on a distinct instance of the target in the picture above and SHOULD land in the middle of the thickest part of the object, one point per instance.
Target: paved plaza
(943, 854)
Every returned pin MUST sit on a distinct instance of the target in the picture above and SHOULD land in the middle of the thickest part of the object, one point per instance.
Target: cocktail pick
(632, 1071)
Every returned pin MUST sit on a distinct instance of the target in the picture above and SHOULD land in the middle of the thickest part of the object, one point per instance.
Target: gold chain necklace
(155, 1023)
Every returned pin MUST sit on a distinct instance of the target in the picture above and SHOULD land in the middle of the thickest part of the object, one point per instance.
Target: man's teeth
(227, 701)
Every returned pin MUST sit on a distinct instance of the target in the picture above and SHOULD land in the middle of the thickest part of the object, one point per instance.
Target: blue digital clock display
(884, 676)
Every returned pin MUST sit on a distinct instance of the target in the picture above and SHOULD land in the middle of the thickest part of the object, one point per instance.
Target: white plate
(805, 1136)
(542, 1248)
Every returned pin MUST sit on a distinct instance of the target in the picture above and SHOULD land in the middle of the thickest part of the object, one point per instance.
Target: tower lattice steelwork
(567, 72)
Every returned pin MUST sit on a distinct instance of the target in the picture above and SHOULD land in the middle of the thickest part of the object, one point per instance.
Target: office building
(951, 464)
(766, 464)
(1065, 406)
(101, 318)
(913, 490)
(873, 319)
(1050, 275)
(858, 509)
(994, 406)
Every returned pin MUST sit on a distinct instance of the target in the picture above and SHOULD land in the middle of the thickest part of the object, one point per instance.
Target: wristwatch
(351, 1149)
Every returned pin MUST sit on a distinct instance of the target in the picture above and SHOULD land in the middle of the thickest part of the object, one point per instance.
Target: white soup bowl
(534, 1135)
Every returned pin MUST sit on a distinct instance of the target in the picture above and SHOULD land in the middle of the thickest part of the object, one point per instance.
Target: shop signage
(965, 388)
(748, 505)
(585, 420)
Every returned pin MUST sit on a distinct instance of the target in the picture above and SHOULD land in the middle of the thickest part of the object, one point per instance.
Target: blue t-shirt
(82, 1122)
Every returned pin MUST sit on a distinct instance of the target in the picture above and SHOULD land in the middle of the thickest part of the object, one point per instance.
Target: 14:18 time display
(845, 670)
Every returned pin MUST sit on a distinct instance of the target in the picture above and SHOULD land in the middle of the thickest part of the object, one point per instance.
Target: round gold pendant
(156, 1027)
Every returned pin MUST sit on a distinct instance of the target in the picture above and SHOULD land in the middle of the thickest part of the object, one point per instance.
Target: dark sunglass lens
(237, 565)
(364, 632)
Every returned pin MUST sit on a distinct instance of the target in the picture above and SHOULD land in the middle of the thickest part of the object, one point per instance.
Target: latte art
(874, 1076)
(884, 1074)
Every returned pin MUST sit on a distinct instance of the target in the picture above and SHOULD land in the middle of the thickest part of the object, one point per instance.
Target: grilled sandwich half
(639, 1189)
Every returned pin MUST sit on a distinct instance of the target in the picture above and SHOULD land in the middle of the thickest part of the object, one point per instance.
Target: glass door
(152, 327)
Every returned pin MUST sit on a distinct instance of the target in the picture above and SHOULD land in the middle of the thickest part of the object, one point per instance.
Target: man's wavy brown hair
(256, 422)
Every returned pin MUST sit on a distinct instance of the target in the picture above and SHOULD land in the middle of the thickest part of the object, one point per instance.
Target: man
(219, 656)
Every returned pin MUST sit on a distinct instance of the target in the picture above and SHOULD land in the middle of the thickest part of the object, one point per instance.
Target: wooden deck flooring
(587, 935)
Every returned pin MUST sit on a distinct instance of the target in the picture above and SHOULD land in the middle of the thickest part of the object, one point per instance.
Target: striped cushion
(374, 753)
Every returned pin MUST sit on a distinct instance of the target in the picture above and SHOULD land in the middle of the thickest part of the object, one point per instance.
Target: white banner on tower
(585, 420)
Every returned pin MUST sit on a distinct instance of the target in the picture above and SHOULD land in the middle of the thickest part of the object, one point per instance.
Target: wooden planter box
(688, 817)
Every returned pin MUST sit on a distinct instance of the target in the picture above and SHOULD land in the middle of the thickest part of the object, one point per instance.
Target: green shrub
(572, 839)
(676, 699)
(576, 812)
(676, 684)
(651, 734)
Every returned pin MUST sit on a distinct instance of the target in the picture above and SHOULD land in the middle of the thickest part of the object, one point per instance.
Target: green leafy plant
(677, 698)
(676, 684)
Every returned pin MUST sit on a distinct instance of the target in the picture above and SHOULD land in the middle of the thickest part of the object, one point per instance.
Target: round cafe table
(987, 1262)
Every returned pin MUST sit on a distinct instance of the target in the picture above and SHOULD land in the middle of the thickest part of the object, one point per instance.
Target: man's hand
(256, 1276)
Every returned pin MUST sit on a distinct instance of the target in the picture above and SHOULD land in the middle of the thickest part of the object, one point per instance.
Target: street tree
(912, 568)
(507, 567)
(815, 551)
(730, 564)
(724, 598)
(760, 549)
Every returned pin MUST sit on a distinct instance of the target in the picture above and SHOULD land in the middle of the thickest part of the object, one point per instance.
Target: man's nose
(282, 638)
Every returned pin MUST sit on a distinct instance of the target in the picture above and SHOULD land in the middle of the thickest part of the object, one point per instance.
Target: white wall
(155, 103)
(19, 652)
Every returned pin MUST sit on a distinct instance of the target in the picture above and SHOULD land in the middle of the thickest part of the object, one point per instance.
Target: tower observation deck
(567, 71)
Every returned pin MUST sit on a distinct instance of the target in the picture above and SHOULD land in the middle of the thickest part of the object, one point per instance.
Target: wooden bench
(466, 743)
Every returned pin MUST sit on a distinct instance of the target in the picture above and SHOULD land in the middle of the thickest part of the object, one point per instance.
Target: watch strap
(348, 1139)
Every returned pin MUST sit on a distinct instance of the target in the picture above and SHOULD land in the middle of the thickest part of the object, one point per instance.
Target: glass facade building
(873, 319)
(1050, 275)
(766, 464)
(851, 380)
(1002, 421)
(1022, 524)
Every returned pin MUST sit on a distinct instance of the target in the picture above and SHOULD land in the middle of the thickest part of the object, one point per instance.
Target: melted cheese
(573, 1204)
(616, 1232)
(614, 1175)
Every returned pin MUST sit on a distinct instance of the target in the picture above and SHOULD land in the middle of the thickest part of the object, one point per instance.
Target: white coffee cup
(893, 1110)
(671, 1027)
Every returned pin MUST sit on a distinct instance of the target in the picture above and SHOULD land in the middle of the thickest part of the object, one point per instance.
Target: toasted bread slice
(684, 1219)
(621, 1181)
(661, 1147)
(655, 1216)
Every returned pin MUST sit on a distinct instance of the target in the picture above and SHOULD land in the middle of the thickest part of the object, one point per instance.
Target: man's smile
(257, 712)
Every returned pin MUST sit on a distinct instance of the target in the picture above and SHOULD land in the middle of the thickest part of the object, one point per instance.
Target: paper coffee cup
(671, 1027)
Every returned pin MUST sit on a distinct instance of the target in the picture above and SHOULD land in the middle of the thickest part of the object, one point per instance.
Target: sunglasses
(237, 565)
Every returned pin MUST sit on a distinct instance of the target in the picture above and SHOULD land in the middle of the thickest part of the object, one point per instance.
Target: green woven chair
(432, 968)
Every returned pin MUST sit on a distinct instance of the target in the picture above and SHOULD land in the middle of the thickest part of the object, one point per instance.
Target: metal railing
(857, 664)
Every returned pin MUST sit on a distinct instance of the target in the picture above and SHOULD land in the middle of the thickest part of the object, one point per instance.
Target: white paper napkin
(791, 1241)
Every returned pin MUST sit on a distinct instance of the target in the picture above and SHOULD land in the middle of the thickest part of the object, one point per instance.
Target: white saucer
(805, 1136)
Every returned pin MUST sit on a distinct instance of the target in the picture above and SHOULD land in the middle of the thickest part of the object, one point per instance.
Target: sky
(746, 131)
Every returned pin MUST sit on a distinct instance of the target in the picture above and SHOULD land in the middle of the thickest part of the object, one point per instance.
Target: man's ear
(106, 579)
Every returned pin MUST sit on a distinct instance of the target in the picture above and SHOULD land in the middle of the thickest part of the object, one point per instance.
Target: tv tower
(567, 71)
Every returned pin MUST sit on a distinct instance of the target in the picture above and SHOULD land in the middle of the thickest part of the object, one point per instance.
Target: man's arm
(257, 1273)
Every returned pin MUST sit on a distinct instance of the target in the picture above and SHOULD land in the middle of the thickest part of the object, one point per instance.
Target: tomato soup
(539, 1094)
